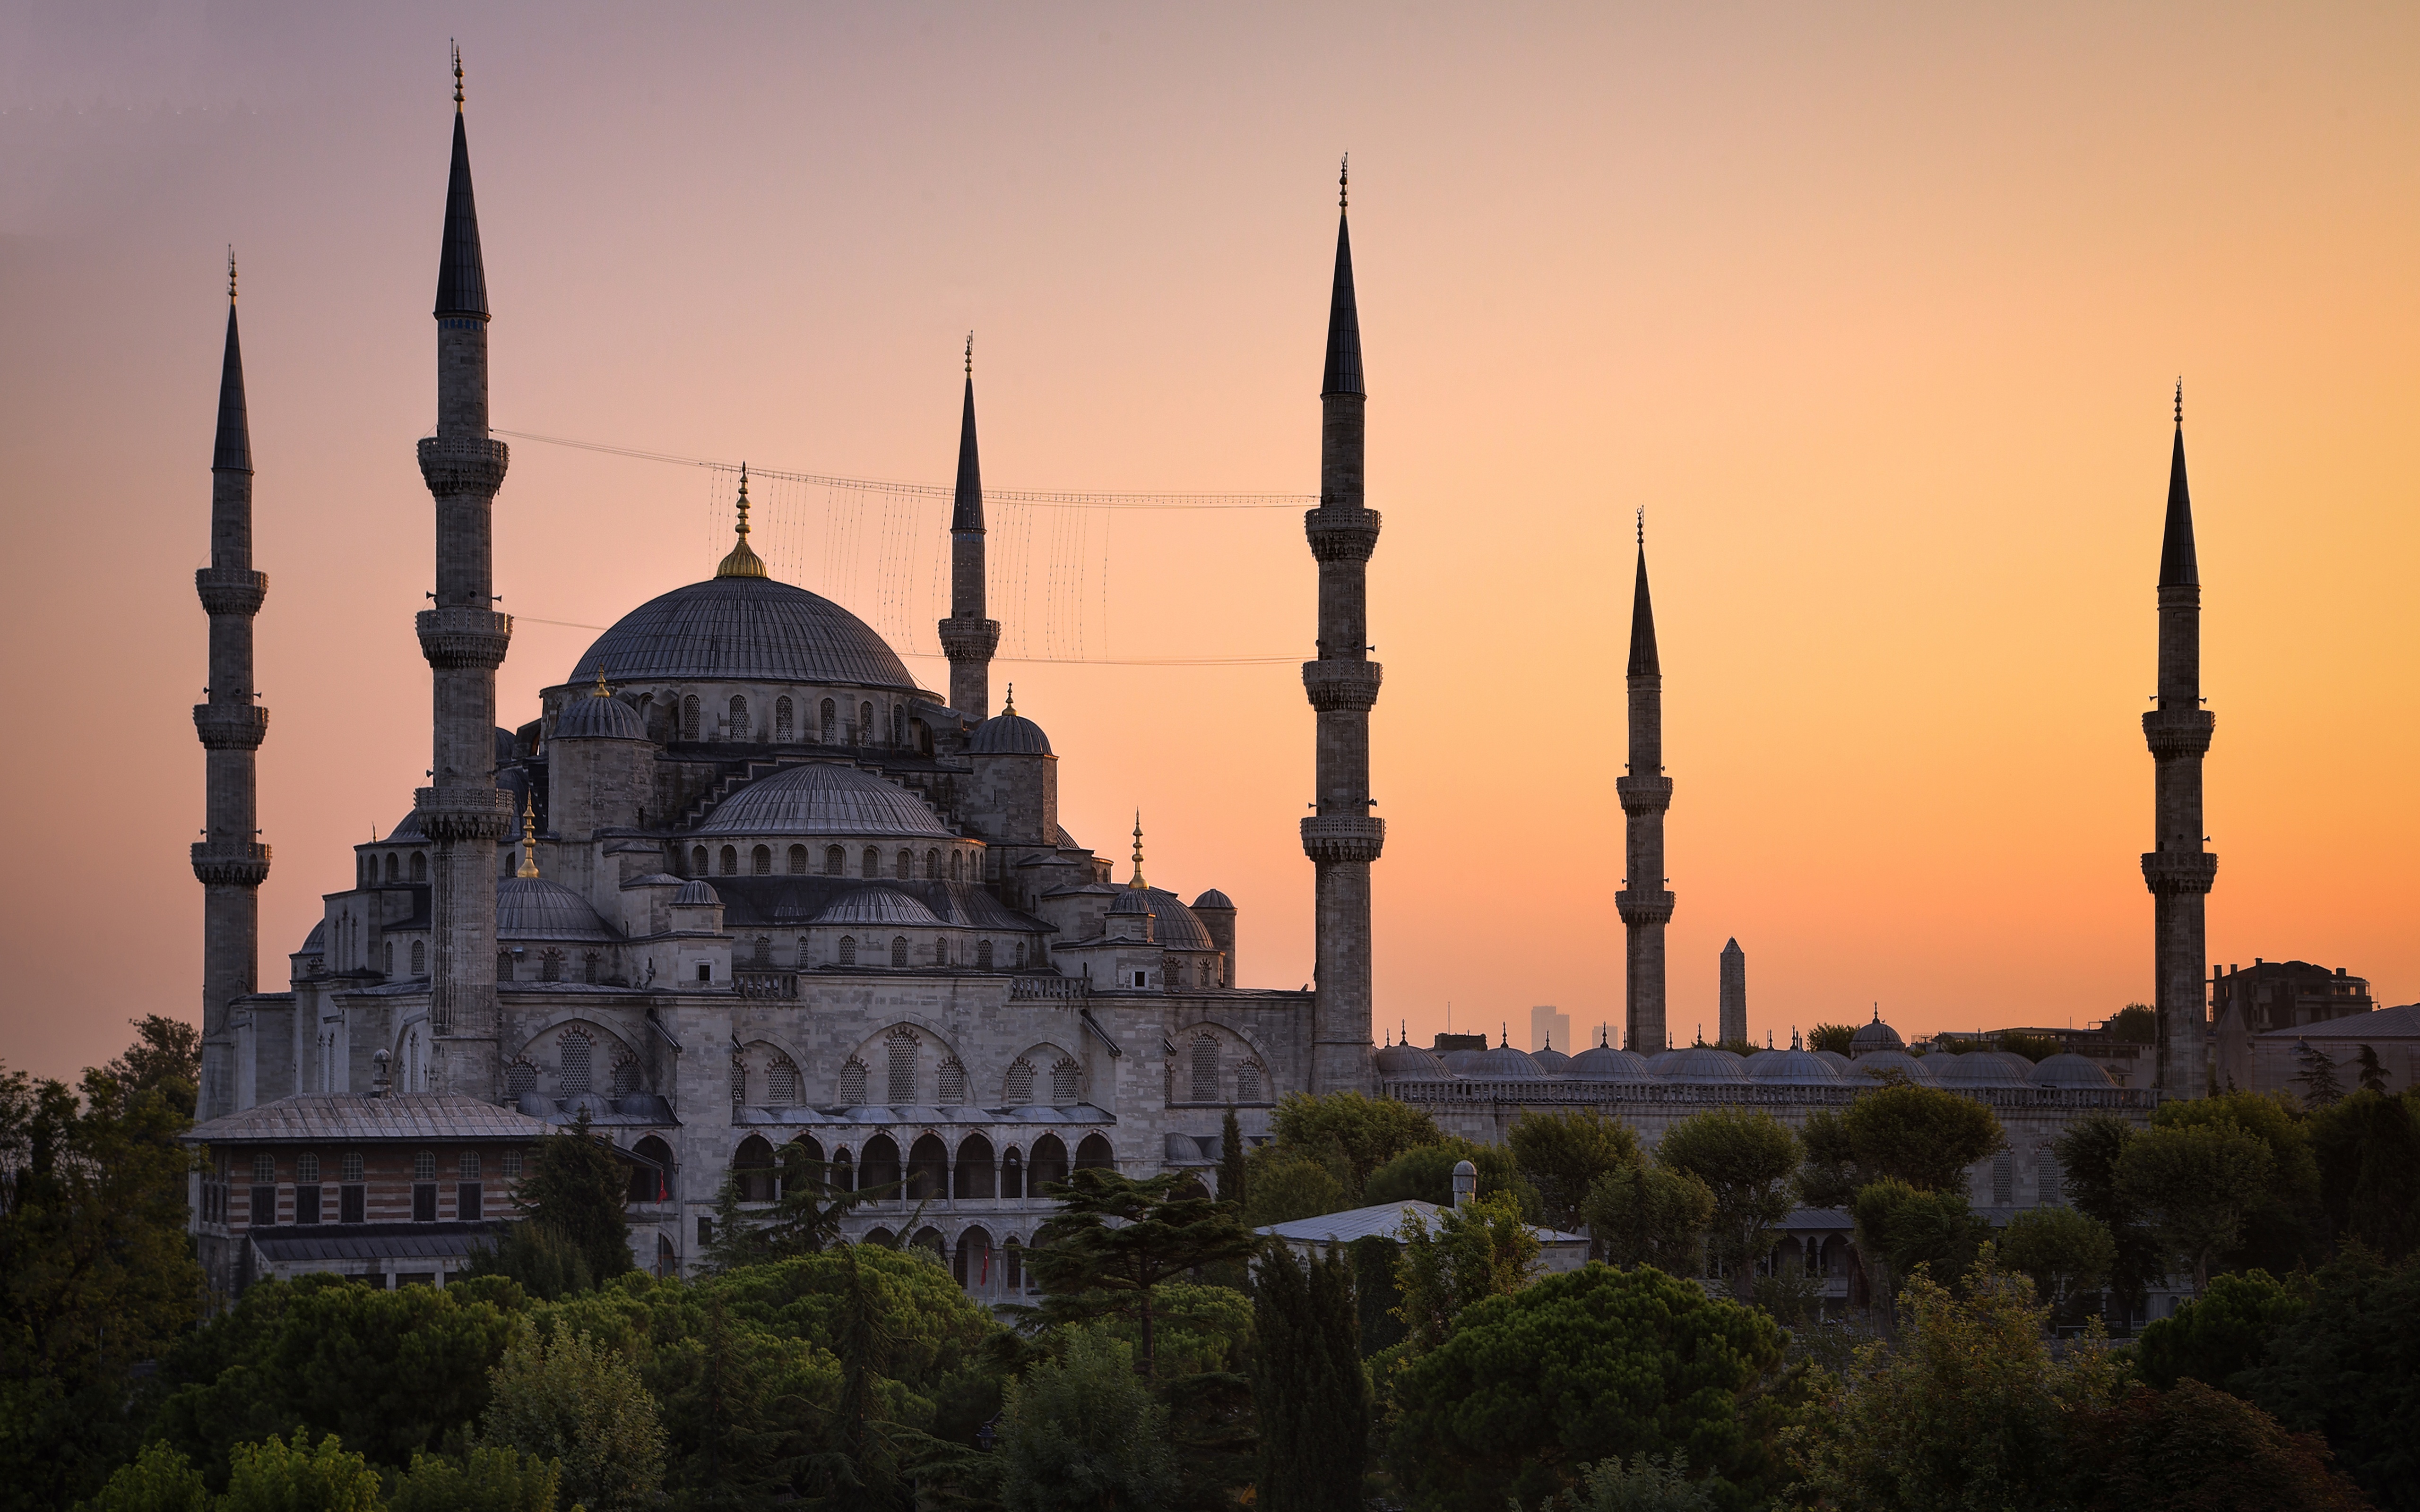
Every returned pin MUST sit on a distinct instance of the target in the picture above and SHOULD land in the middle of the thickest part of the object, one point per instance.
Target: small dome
(1833, 1058)
(1409, 1063)
(654, 879)
(1875, 1036)
(822, 798)
(2069, 1069)
(315, 941)
(408, 829)
(1130, 900)
(1792, 1068)
(1603, 1063)
(591, 717)
(1661, 1061)
(1881, 1063)
(1213, 899)
(1705, 1066)
(1552, 1062)
(1459, 1061)
(1975, 1070)
(1173, 923)
(694, 893)
(1008, 734)
(1505, 1064)
(533, 908)
(878, 905)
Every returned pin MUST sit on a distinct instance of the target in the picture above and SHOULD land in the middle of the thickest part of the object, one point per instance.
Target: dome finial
(529, 836)
(742, 562)
(602, 691)
(458, 75)
(1010, 707)
(1137, 881)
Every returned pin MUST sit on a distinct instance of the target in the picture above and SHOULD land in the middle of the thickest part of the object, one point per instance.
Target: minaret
(1342, 839)
(2178, 872)
(967, 638)
(464, 640)
(1644, 903)
(229, 859)
(1731, 1007)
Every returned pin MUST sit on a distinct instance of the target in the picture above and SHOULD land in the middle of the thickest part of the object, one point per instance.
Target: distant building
(1731, 1013)
(2256, 1016)
(2127, 1061)
(1550, 1030)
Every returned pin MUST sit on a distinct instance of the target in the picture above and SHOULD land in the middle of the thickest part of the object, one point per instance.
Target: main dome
(742, 629)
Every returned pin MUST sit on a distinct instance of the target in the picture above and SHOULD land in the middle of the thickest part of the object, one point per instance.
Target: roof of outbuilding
(1703, 1065)
(2379, 1023)
(1505, 1064)
(1212, 899)
(1383, 1220)
(743, 629)
(324, 1117)
(290, 1244)
(824, 798)
(695, 893)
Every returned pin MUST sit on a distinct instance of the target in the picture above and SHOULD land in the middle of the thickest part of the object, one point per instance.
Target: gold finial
(529, 836)
(971, 354)
(1344, 177)
(2181, 399)
(230, 273)
(742, 562)
(1137, 881)
(1642, 526)
(602, 691)
(458, 75)
(1011, 706)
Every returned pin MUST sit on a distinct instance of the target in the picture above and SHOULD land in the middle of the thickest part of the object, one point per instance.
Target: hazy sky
(1875, 311)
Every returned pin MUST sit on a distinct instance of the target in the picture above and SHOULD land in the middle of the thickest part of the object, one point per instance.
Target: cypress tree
(1306, 1385)
(1231, 1162)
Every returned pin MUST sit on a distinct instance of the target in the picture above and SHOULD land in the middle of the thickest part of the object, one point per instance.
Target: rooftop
(328, 1117)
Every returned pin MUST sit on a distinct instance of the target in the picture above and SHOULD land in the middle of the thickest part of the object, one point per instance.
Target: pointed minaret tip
(1343, 374)
(232, 452)
(461, 271)
(966, 510)
(1643, 659)
(2180, 567)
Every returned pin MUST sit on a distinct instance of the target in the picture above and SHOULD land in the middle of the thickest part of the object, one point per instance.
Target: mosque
(740, 884)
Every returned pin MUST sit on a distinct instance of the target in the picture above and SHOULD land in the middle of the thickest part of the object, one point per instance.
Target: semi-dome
(2069, 1069)
(743, 629)
(878, 905)
(1603, 1063)
(1973, 1071)
(1792, 1068)
(1705, 1066)
(601, 717)
(1505, 1064)
(1008, 734)
(1873, 1036)
(695, 893)
(1879, 1064)
(1409, 1063)
(533, 908)
(824, 798)
(407, 829)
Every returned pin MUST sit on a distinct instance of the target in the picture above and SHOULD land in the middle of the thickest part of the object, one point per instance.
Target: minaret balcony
(1344, 683)
(459, 637)
(464, 813)
(457, 465)
(231, 726)
(1342, 532)
(2173, 733)
(1643, 908)
(244, 863)
(1343, 839)
(231, 589)
(968, 639)
(1643, 795)
(2180, 873)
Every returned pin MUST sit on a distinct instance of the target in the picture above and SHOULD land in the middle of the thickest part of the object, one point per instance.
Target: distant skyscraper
(1732, 1009)
(1550, 1030)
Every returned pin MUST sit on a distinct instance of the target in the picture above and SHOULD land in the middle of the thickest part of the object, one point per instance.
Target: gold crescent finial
(1642, 526)
(742, 562)
(230, 273)
(2181, 399)
(458, 76)
(1011, 707)
(602, 691)
(971, 354)
(1343, 178)
(529, 836)
(1137, 881)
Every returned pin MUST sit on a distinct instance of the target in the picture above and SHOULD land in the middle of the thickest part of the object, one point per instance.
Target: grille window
(1063, 1083)
(898, 949)
(521, 1078)
(849, 949)
(798, 860)
(852, 1083)
(626, 1077)
(953, 1083)
(902, 1046)
(2048, 1177)
(2004, 1177)
(419, 953)
(782, 718)
(1206, 1069)
(1019, 1088)
(983, 955)
(782, 1083)
(573, 1056)
(1248, 1083)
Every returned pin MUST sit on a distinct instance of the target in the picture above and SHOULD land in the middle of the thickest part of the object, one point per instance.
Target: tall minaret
(1645, 904)
(967, 638)
(464, 640)
(2178, 872)
(1343, 840)
(230, 860)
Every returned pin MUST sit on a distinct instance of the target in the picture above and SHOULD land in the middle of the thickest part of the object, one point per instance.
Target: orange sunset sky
(1875, 310)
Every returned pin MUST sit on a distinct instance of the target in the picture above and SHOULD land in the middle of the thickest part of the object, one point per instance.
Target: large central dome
(743, 629)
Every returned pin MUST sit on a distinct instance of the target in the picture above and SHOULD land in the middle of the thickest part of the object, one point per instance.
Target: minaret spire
(968, 637)
(229, 860)
(464, 640)
(1343, 839)
(1646, 793)
(2178, 870)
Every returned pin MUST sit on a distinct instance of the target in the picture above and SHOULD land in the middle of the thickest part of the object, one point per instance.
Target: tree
(1424, 1173)
(1649, 1483)
(1308, 1385)
(1968, 1408)
(1231, 1160)
(166, 1056)
(1114, 1239)
(1563, 1153)
(274, 1477)
(1747, 1160)
(2220, 1333)
(158, 1480)
(540, 1260)
(2285, 1225)
(2317, 1077)
(2034, 1047)
(1479, 1250)
(1592, 1364)
(1836, 1038)
(806, 1215)
(2088, 1152)
(1356, 1133)
(576, 1403)
(1904, 1229)
(1644, 1214)
(1081, 1434)
(575, 1186)
(1921, 1136)
(2196, 1449)
(2367, 1153)
(2134, 1024)
(486, 1480)
(2349, 1368)
(2373, 1071)
(1283, 1185)
(2061, 1251)
(2194, 1186)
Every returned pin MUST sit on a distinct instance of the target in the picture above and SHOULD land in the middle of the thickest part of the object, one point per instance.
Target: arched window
(798, 860)
(420, 957)
(971, 1264)
(626, 1076)
(928, 1238)
(932, 866)
(389, 967)
(394, 866)
(831, 722)
(879, 1165)
(1020, 955)
(761, 953)
(697, 860)
(731, 860)
(781, 1083)
(901, 1045)
(799, 959)
(865, 724)
(651, 1175)
(842, 1174)
(762, 859)
(2050, 1187)
(953, 1083)
(871, 865)
(739, 717)
(849, 949)
(973, 1176)
(835, 861)
(572, 1052)
(688, 718)
(957, 859)
(521, 1078)
(1049, 1166)
(1017, 1088)
(550, 965)
(1248, 1083)
(803, 1165)
(898, 725)
(928, 1169)
(503, 965)
(1012, 1175)
(1205, 1068)
(983, 955)
(782, 719)
(420, 866)
(751, 1169)
(899, 950)
(906, 866)
(852, 1083)
(941, 951)
(592, 968)
(1064, 1088)
(1093, 1155)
